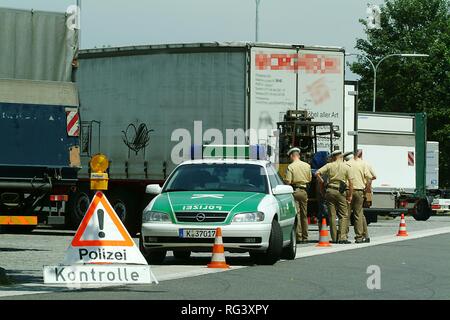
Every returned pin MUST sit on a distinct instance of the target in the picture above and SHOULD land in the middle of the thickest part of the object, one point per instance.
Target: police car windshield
(218, 177)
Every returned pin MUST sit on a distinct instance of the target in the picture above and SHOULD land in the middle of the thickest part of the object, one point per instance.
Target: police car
(244, 196)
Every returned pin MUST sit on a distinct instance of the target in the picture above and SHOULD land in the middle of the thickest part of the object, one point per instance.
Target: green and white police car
(245, 197)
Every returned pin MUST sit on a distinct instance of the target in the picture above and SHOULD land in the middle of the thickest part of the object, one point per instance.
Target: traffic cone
(218, 257)
(309, 220)
(402, 229)
(323, 235)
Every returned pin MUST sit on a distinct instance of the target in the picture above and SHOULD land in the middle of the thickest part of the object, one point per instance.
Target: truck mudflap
(19, 220)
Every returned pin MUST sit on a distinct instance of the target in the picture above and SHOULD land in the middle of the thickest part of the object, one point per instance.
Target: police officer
(338, 173)
(368, 191)
(361, 177)
(298, 175)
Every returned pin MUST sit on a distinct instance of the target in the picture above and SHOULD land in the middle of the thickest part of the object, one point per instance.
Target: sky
(136, 22)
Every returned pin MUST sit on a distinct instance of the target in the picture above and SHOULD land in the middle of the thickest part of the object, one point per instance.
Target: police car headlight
(249, 217)
(155, 216)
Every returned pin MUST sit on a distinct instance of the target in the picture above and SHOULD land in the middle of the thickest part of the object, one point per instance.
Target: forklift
(316, 142)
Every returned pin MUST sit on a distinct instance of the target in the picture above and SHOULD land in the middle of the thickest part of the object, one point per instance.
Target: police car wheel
(155, 256)
(152, 256)
(291, 250)
(273, 252)
(182, 255)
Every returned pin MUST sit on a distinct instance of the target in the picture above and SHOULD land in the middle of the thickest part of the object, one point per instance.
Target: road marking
(173, 272)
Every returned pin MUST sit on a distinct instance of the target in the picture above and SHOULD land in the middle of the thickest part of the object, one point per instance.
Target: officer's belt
(333, 187)
(299, 187)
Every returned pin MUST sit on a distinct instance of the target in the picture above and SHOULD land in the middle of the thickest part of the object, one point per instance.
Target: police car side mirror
(282, 189)
(153, 189)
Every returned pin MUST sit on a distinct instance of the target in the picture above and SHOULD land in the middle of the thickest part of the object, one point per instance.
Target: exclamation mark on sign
(100, 215)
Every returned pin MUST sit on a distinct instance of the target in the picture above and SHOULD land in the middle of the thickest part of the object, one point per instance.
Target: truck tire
(126, 206)
(273, 252)
(290, 251)
(76, 208)
(422, 210)
(154, 257)
(181, 254)
(120, 207)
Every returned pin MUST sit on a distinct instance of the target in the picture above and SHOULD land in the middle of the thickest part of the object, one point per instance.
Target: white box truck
(395, 146)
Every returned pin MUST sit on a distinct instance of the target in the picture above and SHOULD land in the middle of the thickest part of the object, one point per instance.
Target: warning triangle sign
(101, 226)
(102, 238)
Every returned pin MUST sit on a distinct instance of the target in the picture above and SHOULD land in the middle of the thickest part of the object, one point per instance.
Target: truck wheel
(273, 253)
(422, 210)
(120, 208)
(291, 250)
(152, 256)
(76, 208)
(125, 203)
(181, 255)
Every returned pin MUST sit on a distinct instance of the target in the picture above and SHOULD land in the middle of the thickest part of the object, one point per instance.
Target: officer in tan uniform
(368, 192)
(338, 174)
(298, 175)
(361, 180)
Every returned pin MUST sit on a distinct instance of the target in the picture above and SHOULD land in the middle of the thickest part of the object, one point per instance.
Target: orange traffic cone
(323, 235)
(402, 229)
(218, 257)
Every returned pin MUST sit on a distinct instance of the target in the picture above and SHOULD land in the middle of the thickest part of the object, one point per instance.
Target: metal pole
(374, 88)
(79, 30)
(375, 68)
(257, 21)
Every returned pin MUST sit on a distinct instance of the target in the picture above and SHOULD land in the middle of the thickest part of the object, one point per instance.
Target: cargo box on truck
(394, 144)
(138, 104)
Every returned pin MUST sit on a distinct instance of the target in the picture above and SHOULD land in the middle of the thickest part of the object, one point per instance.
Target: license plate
(197, 233)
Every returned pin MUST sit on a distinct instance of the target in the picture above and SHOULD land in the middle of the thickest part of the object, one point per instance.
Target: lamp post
(257, 20)
(375, 68)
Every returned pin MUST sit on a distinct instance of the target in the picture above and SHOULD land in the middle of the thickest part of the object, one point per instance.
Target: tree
(411, 84)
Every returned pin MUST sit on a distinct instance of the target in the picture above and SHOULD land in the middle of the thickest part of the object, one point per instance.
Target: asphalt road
(409, 269)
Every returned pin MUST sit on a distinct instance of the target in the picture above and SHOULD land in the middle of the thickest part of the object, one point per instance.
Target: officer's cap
(292, 150)
(336, 153)
(347, 154)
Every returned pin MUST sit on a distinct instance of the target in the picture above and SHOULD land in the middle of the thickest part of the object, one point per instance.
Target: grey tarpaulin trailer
(133, 99)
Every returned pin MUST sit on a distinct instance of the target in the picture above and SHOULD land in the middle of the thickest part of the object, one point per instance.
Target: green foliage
(411, 84)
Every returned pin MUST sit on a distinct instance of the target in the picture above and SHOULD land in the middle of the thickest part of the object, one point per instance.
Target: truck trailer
(39, 125)
(139, 105)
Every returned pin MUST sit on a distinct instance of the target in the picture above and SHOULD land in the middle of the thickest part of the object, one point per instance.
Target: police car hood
(209, 201)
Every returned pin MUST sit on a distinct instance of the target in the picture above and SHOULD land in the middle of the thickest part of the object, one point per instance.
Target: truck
(143, 105)
(440, 198)
(395, 145)
(39, 119)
